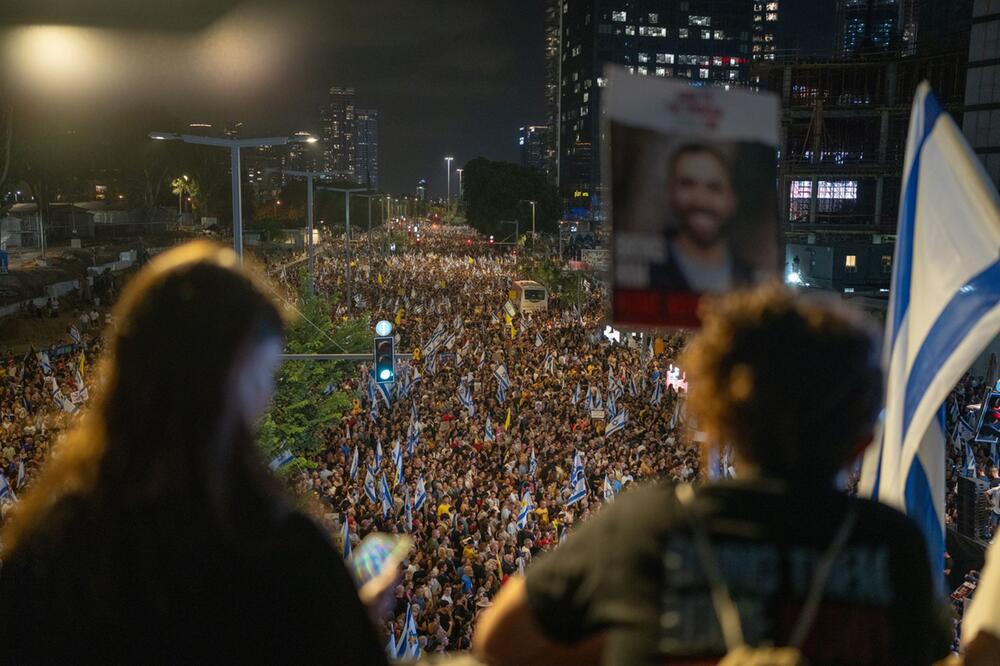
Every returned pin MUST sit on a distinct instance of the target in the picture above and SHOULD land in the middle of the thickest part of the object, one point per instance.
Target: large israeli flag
(944, 309)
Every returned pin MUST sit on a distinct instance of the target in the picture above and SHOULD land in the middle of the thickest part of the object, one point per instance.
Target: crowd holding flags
(944, 309)
(576, 395)
(412, 436)
(397, 461)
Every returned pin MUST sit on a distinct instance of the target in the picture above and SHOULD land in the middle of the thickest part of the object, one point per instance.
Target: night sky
(449, 77)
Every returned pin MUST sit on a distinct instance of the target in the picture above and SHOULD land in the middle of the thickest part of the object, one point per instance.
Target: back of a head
(792, 382)
(164, 426)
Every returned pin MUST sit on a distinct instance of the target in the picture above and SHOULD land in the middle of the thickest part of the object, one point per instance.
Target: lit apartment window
(771, 16)
(700, 20)
(654, 18)
(644, 71)
(717, 61)
(586, 97)
(661, 71)
(772, 6)
(652, 31)
(643, 57)
(630, 30)
(851, 263)
(682, 33)
(703, 73)
(601, 82)
(719, 34)
(620, 16)
(665, 58)
(706, 34)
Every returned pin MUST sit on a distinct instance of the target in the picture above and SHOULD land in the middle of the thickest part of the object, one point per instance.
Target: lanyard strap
(722, 601)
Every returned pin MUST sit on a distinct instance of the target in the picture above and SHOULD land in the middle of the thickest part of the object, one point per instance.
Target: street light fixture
(448, 161)
(234, 146)
(533, 203)
(459, 172)
(347, 234)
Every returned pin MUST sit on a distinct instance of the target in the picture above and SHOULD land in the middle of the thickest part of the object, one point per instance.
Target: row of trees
(493, 192)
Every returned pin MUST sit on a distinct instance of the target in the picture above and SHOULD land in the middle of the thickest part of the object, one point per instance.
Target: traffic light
(385, 360)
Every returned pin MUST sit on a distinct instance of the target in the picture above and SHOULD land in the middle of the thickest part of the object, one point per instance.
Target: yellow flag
(513, 332)
(379, 279)
(83, 362)
(471, 261)
(506, 423)
(399, 316)
(507, 319)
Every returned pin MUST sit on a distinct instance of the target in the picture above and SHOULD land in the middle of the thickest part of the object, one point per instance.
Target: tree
(308, 400)
(495, 191)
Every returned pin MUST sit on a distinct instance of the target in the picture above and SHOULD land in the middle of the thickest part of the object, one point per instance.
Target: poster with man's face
(691, 174)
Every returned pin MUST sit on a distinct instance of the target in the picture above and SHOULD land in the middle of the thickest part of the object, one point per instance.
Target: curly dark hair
(792, 382)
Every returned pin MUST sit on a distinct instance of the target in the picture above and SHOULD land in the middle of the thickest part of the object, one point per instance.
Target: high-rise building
(366, 147)
(422, 189)
(707, 42)
(867, 26)
(783, 28)
(337, 132)
(534, 142)
(982, 91)
(553, 69)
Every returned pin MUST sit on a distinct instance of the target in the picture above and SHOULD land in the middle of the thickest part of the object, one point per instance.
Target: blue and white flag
(970, 460)
(532, 464)
(283, 458)
(944, 309)
(501, 393)
(412, 639)
(385, 391)
(522, 516)
(412, 437)
(657, 389)
(490, 435)
(632, 389)
(414, 379)
(378, 455)
(465, 397)
(43, 361)
(579, 481)
(347, 539)
(387, 503)
(538, 340)
(576, 394)
(414, 414)
(609, 491)
(390, 647)
(616, 424)
(430, 365)
(408, 515)
(398, 461)
(590, 399)
(370, 486)
(612, 408)
(503, 379)
(74, 334)
(420, 496)
(6, 492)
(401, 645)
(354, 464)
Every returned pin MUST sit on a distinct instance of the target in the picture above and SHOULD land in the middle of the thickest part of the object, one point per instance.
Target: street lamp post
(310, 177)
(533, 203)
(234, 146)
(447, 162)
(459, 172)
(347, 236)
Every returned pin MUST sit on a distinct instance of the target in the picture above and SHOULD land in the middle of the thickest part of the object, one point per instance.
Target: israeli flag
(354, 464)
(503, 379)
(632, 389)
(43, 361)
(430, 365)
(412, 436)
(384, 390)
(590, 399)
(408, 516)
(378, 455)
(532, 464)
(501, 393)
(944, 309)
(283, 458)
(414, 414)
(490, 435)
(612, 407)
(465, 397)
(74, 334)
(609, 491)
(970, 460)
(412, 639)
(579, 489)
(398, 479)
(576, 394)
(657, 389)
(370, 486)
(413, 380)
(617, 423)
(576, 471)
(347, 539)
(538, 340)
(390, 647)
(387, 503)
(6, 492)
(420, 495)
(522, 516)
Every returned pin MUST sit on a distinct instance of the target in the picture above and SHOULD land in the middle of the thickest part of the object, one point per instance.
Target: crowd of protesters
(494, 462)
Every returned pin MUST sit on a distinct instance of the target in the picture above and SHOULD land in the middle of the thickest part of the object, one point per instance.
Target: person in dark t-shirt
(794, 385)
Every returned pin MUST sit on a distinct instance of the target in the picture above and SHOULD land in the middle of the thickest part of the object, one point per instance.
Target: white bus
(530, 296)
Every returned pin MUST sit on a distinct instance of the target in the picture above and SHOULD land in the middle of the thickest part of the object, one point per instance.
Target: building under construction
(843, 139)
